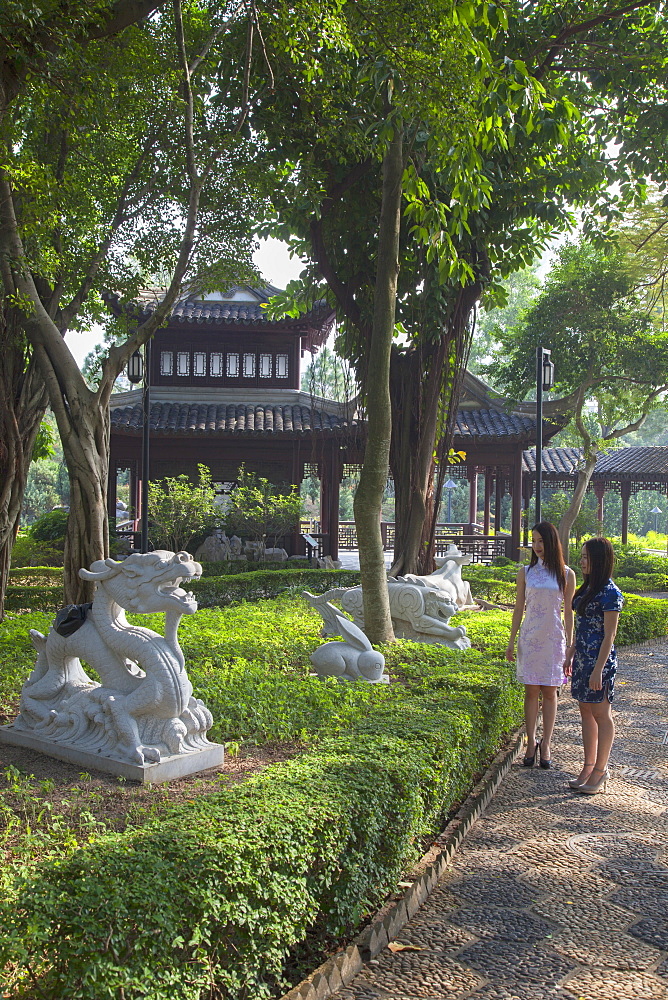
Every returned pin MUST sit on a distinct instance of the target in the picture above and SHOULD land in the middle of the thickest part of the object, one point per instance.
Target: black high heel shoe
(543, 762)
(530, 761)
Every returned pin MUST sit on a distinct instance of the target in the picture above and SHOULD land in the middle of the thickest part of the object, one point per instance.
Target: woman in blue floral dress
(592, 661)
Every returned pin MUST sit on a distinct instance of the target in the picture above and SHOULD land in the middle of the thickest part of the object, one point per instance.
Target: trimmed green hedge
(31, 574)
(218, 591)
(493, 590)
(643, 582)
(210, 591)
(34, 598)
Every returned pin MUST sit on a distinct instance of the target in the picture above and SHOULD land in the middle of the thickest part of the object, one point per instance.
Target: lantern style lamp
(544, 382)
(135, 370)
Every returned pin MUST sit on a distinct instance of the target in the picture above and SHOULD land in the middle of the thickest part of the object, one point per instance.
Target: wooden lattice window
(281, 366)
(199, 363)
(183, 363)
(233, 365)
(216, 364)
(166, 363)
(265, 365)
(249, 365)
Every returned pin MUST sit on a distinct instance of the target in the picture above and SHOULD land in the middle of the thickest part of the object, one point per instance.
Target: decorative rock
(215, 548)
(144, 710)
(353, 660)
(275, 555)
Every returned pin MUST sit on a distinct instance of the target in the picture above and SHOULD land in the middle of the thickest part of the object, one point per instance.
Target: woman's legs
(601, 715)
(549, 696)
(589, 738)
(531, 692)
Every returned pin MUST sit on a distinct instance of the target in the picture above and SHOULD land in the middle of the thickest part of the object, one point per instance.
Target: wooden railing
(468, 538)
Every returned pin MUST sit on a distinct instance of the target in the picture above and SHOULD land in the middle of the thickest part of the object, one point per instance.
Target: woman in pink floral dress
(544, 593)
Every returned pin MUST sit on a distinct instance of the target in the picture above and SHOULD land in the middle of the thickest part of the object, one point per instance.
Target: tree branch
(558, 43)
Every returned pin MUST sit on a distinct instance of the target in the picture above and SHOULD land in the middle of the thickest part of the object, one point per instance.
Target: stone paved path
(555, 895)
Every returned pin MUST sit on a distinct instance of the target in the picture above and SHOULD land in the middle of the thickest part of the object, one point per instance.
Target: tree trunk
(417, 376)
(426, 382)
(87, 456)
(583, 480)
(375, 469)
(22, 409)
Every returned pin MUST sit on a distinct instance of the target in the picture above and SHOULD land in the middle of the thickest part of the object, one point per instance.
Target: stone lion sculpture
(418, 612)
(144, 706)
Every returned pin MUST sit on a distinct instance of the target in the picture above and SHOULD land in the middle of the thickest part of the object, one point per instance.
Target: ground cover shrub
(642, 618)
(29, 552)
(631, 560)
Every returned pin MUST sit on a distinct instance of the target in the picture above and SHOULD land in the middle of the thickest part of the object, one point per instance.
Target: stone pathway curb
(340, 970)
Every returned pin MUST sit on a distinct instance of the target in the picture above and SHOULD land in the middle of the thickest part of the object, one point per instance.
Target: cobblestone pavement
(555, 894)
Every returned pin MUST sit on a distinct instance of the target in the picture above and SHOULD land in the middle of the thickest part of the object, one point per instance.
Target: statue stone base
(169, 768)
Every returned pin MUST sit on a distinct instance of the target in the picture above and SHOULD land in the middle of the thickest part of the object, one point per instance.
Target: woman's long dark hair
(553, 557)
(601, 564)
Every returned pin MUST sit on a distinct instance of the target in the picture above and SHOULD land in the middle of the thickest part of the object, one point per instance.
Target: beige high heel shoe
(597, 786)
(575, 783)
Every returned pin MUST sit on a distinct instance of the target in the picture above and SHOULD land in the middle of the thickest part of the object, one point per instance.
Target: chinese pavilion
(225, 389)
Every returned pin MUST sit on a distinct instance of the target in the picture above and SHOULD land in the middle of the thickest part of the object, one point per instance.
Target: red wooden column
(500, 491)
(516, 510)
(527, 493)
(325, 471)
(473, 495)
(297, 474)
(599, 490)
(112, 494)
(489, 479)
(330, 482)
(626, 494)
(336, 470)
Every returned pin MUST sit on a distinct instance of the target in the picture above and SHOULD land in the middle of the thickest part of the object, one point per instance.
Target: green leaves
(182, 513)
(260, 511)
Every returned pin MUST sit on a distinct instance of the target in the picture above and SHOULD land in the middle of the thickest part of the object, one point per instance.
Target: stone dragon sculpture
(144, 707)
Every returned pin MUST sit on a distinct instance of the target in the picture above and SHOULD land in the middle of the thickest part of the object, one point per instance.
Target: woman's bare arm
(518, 614)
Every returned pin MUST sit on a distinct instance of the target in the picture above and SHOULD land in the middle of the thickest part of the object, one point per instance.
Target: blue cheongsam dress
(588, 638)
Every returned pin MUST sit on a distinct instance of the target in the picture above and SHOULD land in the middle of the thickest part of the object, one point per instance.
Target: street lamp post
(139, 368)
(544, 382)
(656, 511)
(449, 486)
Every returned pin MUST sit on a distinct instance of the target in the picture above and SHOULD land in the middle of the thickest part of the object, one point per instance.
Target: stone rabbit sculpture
(355, 659)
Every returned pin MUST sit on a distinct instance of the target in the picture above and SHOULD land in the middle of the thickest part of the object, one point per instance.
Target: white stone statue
(418, 612)
(447, 579)
(354, 659)
(144, 708)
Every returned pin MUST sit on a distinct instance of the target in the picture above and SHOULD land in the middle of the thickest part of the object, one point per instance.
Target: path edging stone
(342, 968)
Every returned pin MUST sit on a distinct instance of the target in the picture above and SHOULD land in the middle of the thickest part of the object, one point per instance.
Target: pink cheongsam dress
(541, 644)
